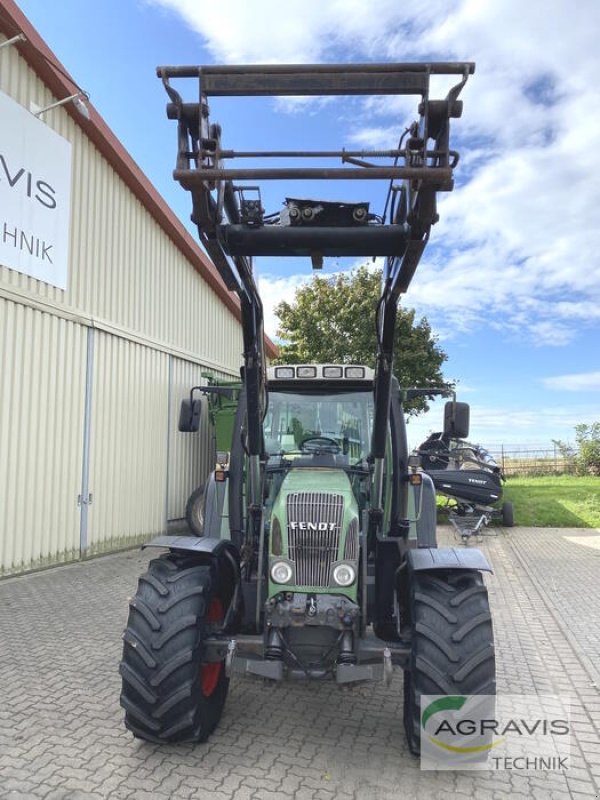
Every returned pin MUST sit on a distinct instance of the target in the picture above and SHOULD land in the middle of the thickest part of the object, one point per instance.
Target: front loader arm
(233, 232)
(421, 213)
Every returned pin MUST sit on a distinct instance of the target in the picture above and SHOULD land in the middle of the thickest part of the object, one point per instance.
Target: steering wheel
(319, 444)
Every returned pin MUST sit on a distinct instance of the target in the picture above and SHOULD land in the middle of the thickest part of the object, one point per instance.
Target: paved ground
(61, 732)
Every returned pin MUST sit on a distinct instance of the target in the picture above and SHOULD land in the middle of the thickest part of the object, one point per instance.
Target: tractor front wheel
(452, 642)
(170, 692)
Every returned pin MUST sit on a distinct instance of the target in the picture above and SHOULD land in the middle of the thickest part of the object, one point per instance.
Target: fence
(531, 459)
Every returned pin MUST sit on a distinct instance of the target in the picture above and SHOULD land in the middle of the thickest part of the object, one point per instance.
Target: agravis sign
(495, 732)
(35, 196)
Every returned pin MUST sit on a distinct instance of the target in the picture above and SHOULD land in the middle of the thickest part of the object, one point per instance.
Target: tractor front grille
(351, 546)
(314, 530)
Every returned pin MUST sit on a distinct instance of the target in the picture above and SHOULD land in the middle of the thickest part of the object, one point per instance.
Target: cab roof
(333, 373)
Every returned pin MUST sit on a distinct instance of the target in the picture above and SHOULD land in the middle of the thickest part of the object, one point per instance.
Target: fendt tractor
(317, 554)
(222, 399)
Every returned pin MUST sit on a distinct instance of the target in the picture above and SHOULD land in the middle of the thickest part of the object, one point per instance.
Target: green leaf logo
(453, 703)
(450, 703)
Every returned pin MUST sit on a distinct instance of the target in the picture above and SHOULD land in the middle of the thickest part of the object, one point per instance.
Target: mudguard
(432, 558)
(222, 556)
(214, 500)
(426, 523)
(422, 513)
(202, 545)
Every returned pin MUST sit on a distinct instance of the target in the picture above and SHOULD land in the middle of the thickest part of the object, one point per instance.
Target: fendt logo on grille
(312, 526)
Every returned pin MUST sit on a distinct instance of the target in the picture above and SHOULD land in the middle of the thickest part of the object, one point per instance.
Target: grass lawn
(564, 501)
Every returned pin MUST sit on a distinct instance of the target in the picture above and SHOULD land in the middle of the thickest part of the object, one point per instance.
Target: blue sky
(511, 280)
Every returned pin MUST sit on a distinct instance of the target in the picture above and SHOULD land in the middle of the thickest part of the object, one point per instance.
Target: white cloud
(518, 242)
(236, 31)
(575, 382)
(273, 289)
(375, 138)
(493, 426)
(520, 239)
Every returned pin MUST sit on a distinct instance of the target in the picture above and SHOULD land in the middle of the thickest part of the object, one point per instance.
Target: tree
(588, 442)
(568, 453)
(332, 321)
(586, 456)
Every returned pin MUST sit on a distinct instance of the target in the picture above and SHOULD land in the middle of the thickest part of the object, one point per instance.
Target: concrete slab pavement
(61, 729)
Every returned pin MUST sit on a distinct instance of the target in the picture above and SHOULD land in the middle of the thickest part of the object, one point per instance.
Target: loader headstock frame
(233, 232)
(423, 161)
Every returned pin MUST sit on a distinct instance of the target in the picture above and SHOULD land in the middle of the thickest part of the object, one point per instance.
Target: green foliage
(566, 450)
(588, 444)
(564, 501)
(586, 456)
(332, 321)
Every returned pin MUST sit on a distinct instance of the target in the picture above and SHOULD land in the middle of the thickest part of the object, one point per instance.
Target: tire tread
(162, 653)
(453, 644)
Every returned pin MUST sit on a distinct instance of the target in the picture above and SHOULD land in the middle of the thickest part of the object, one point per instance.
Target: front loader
(317, 557)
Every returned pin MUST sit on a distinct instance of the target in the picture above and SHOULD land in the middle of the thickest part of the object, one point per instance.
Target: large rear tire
(170, 694)
(452, 642)
(194, 511)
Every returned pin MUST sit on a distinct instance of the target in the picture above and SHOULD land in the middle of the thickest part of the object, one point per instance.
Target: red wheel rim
(210, 673)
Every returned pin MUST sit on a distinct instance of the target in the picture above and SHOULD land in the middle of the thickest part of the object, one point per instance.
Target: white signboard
(35, 195)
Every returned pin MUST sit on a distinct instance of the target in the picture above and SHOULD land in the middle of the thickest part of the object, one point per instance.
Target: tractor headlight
(281, 572)
(344, 574)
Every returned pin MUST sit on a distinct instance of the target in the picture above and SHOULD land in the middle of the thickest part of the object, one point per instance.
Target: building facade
(103, 329)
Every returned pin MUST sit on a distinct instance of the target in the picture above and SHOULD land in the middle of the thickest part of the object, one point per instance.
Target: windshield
(345, 417)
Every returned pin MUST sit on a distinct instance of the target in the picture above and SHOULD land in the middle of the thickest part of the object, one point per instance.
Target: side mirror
(456, 420)
(189, 415)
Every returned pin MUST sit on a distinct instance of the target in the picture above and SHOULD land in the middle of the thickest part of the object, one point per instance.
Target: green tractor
(317, 554)
(222, 400)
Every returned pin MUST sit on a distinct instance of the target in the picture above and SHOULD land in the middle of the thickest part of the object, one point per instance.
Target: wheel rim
(210, 673)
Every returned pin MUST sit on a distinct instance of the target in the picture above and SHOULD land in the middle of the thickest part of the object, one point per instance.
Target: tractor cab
(318, 410)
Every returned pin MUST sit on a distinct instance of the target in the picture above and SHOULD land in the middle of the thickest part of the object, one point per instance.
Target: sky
(510, 281)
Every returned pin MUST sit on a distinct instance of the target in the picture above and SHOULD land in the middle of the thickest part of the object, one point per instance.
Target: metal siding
(149, 304)
(124, 269)
(128, 444)
(42, 363)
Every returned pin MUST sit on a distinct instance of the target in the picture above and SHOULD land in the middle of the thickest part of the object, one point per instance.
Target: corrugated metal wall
(128, 442)
(42, 364)
(155, 326)
(191, 455)
(125, 272)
